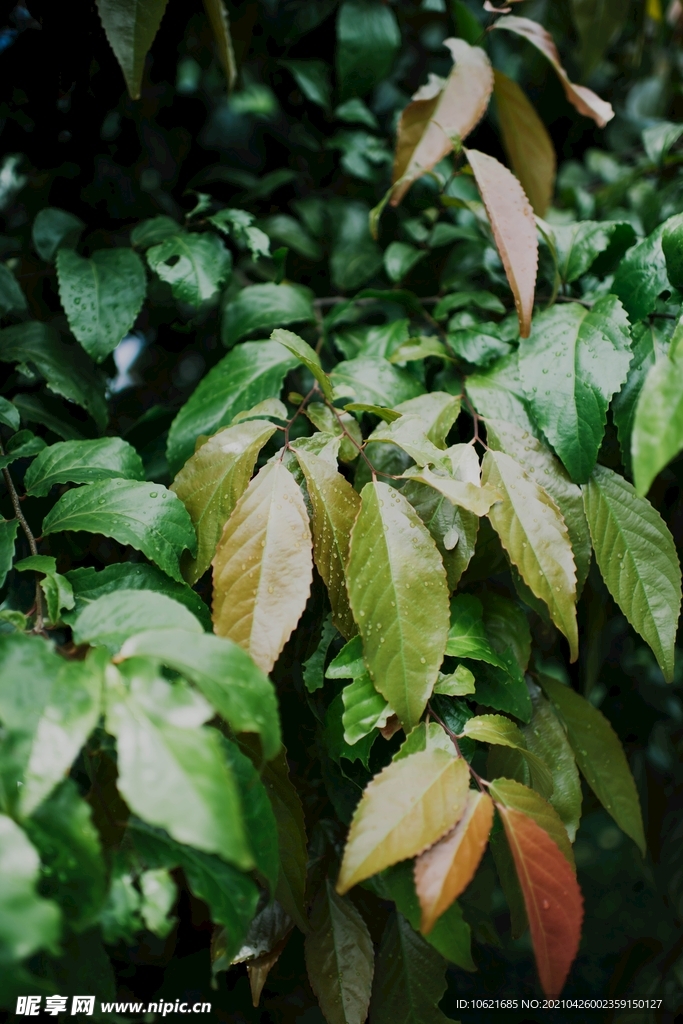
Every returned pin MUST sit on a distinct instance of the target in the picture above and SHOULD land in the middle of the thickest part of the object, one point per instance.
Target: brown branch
(16, 504)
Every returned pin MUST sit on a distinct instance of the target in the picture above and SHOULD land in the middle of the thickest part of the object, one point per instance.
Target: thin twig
(16, 504)
(454, 739)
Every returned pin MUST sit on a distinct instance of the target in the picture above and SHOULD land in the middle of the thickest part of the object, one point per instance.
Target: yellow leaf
(472, 497)
(411, 804)
(335, 506)
(584, 99)
(439, 116)
(534, 534)
(527, 143)
(263, 567)
(514, 230)
(212, 480)
(447, 868)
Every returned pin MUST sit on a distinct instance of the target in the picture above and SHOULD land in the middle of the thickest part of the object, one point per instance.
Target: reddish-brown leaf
(447, 868)
(438, 116)
(514, 229)
(585, 100)
(552, 897)
(527, 143)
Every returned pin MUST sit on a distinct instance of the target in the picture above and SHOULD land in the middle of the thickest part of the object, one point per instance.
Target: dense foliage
(341, 507)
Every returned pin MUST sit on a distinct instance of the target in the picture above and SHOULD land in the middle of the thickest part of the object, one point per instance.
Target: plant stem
(16, 504)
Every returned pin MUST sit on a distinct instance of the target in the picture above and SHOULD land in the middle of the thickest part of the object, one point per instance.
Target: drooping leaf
(313, 78)
(27, 922)
(546, 738)
(11, 296)
(263, 566)
(147, 516)
(392, 559)
(533, 533)
(552, 898)
(340, 958)
(8, 536)
(471, 497)
(368, 38)
(131, 26)
(364, 709)
(306, 355)
(89, 584)
(261, 307)
(112, 618)
(82, 462)
(527, 143)
(52, 228)
(257, 814)
(211, 482)
(658, 421)
(189, 789)
(600, 757)
(444, 871)
(410, 805)
(225, 674)
(23, 445)
(101, 296)
(514, 229)
(66, 368)
(571, 365)
(372, 381)
(648, 345)
(641, 275)
(440, 113)
(314, 666)
(409, 978)
(220, 26)
(517, 797)
(584, 99)
(231, 895)
(335, 506)
(540, 464)
(500, 731)
(9, 414)
(637, 558)
(453, 529)
(69, 845)
(339, 424)
(250, 374)
(194, 265)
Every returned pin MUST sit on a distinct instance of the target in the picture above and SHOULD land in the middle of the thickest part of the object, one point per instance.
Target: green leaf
(240, 224)
(23, 445)
(258, 816)
(571, 365)
(340, 958)
(450, 936)
(9, 414)
(502, 732)
(69, 845)
(533, 533)
(225, 674)
(409, 978)
(8, 536)
(364, 709)
(641, 276)
(54, 228)
(600, 756)
(334, 738)
(577, 245)
(502, 690)
(546, 738)
(27, 921)
(458, 684)
(81, 462)
(152, 231)
(453, 528)
(194, 265)
(376, 340)
(111, 619)
(89, 584)
(28, 670)
(288, 231)
(368, 38)
(498, 393)
(313, 78)
(659, 138)
(66, 368)
(335, 506)
(541, 465)
(520, 798)
(11, 296)
(400, 258)
(231, 896)
(374, 382)
(637, 559)
(306, 355)
(467, 636)
(189, 789)
(349, 663)
(425, 736)
(57, 589)
(658, 421)
(314, 666)
(507, 626)
(478, 345)
(130, 28)
(672, 238)
(211, 482)
(250, 374)
(648, 345)
(261, 307)
(101, 296)
(404, 636)
(146, 516)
